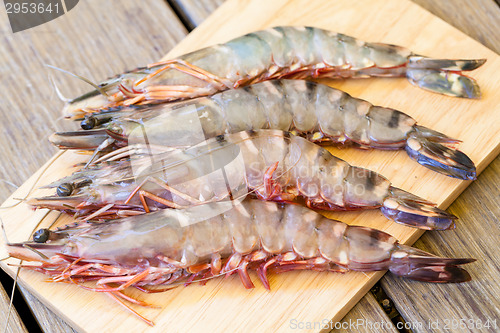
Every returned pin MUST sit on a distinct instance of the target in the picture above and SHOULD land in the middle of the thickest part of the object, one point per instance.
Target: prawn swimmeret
(315, 111)
(279, 52)
(270, 164)
(173, 247)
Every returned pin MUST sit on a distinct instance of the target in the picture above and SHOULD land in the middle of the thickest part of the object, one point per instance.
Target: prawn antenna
(99, 89)
(58, 92)
(35, 251)
(15, 280)
(5, 237)
(4, 233)
(11, 301)
(9, 183)
(19, 200)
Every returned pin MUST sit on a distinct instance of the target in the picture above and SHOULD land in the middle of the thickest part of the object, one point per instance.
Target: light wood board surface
(477, 208)
(312, 296)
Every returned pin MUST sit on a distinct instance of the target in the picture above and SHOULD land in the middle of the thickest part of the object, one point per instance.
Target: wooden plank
(478, 19)
(95, 40)
(47, 320)
(195, 12)
(478, 210)
(476, 236)
(366, 317)
(15, 324)
(321, 295)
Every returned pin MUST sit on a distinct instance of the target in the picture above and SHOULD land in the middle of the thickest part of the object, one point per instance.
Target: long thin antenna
(9, 182)
(4, 232)
(36, 251)
(34, 183)
(11, 300)
(58, 92)
(5, 237)
(99, 89)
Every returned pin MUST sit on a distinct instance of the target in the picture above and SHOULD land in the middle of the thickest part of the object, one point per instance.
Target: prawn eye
(88, 123)
(41, 235)
(64, 190)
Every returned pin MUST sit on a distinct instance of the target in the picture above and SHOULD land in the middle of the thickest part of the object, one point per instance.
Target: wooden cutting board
(306, 300)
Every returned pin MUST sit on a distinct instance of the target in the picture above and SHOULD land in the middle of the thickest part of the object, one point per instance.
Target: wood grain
(478, 233)
(366, 317)
(48, 321)
(477, 236)
(95, 40)
(194, 12)
(322, 295)
(478, 19)
(15, 323)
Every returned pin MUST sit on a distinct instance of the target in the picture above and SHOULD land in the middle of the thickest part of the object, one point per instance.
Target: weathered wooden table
(109, 37)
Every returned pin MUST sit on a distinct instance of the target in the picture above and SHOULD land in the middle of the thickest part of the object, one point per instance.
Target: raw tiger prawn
(279, 52)
(320, 113)
(171, 247)
(270, 164)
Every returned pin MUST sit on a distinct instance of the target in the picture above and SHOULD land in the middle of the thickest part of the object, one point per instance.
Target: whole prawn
(279, 52)
(315, 111)
(170, 247)
(273, 165)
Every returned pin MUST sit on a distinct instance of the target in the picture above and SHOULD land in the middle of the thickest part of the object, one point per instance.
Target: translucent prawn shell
(309, 109)
(266, 51)
(304, 169)
(184, 236)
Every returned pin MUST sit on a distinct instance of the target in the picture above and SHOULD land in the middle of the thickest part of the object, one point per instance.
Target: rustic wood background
(29, 104)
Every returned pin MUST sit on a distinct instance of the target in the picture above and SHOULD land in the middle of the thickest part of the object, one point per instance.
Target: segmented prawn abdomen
(208, 236)
(271, 95)
(262, 151)
(252, 56)
(387, 55)
(301, 98)
(332, 243)
(280, 46)
(356, 122)
(271, 225)
(330, 50)
(389, 127)
(241, 110)
(300, 40)
(365, 188)
(356, 53)
(243, 230)
(204, 117)
(301, 231)
(329, 111)
(289, 45)
(369, 248)
(217, 58)
(318, 174)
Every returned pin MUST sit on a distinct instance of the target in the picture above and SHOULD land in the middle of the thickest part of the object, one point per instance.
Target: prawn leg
(180, 247)
(317, 112)
(172, 92)
(146, 194)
